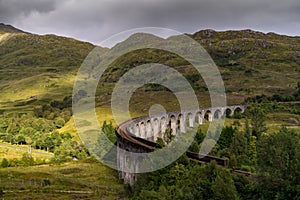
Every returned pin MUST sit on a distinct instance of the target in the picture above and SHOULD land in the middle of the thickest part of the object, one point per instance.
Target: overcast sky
(96, 20)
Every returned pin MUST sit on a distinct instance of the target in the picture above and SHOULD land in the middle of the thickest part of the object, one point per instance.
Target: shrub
(5, 163)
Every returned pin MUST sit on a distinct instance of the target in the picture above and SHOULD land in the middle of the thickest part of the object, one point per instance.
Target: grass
(85, 179)
(16, 152)
(40, 66)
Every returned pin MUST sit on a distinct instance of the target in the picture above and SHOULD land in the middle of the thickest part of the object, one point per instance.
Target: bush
(5, 163)
(1, 191)
(27, 160)
(59, 122)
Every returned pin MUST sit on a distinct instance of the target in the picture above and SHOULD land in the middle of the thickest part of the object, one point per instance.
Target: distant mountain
(45, 66)
(9, 29)
(250, 62)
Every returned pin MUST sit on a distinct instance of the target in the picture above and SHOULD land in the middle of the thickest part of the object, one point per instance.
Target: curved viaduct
(138, 135)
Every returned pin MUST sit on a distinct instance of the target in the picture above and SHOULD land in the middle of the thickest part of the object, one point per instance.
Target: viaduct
(139, 135)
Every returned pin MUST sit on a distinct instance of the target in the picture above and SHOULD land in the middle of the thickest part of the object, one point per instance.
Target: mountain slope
(253, 60)
(250, 62)
(9, 29)
(44, 67)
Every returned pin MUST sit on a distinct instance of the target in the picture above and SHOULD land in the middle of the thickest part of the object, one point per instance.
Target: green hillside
(250, 62)
(85, 179)
(37, 66)
(35, 69)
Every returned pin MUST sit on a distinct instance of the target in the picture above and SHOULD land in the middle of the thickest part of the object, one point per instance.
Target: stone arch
(208, 115)
(217, 114)
(228, 112)
(237, 111)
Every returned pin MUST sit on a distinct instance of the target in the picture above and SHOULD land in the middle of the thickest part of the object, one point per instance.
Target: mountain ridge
(45, 66)
(6, 28)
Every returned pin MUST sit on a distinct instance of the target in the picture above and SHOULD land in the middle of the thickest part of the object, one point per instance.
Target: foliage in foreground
(273, 157)
(185, 180)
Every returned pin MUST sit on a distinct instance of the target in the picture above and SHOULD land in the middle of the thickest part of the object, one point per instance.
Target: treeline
(276, 103)
(187, 180)
(239, 143)
(26, 160)
(276, 97)
(27, 129)
(40, 130)
(273, 160)
(59, 111)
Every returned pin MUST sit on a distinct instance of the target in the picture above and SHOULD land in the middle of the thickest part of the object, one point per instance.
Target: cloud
(11, 10)
(95, 20)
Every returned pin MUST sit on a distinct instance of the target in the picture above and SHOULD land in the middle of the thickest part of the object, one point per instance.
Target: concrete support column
(182, 124)
(121, 164)
(143, 130)
(232, 112)
(163, 126)
(149, 130)
(137, 130)
(191, 121)
(202, 117)
(210, 117)
(174, 126)
(156, 128)
(223, 113)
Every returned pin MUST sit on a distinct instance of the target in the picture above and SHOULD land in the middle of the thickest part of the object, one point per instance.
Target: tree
(59, 122)
(160, 142)
(27, 130)
(194, 147)
(13, 126)
(279, 165)
(239, 144)
(49, 142)
(247, 130)
(56, 138)
(223, 186)
(258, 120)
(9, 138)
(20, 139)
(27, 160)
(168, 136)
(66, 136)
(225, 138)
(252, 152)
(5, 163)
(109, 131)
(3, 124)
(199, 137)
